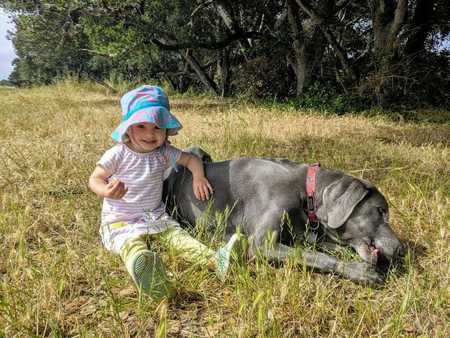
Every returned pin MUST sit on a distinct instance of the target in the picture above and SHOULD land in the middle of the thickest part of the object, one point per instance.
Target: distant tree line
(364, 52)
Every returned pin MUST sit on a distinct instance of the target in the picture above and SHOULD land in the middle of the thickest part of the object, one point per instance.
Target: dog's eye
(381, 210)
(384, 214)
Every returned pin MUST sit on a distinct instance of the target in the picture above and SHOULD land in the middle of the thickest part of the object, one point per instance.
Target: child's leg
(146, 268)
(196, 252)
(187, 246)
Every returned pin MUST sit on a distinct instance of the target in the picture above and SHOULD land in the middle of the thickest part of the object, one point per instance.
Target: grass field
(56, 280)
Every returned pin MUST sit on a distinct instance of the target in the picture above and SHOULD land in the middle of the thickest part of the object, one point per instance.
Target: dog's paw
(361, 273)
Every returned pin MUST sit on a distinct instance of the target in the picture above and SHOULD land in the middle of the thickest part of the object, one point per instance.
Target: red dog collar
(310, 189)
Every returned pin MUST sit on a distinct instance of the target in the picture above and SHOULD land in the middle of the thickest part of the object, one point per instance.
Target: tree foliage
(383, 52)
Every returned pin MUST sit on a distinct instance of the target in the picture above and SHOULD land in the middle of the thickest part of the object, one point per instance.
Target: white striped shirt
(142, 174)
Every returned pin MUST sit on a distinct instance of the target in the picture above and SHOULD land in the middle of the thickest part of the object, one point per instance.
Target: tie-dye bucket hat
(146, 104)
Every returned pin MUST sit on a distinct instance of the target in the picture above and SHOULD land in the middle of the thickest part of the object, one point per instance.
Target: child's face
(146, 137)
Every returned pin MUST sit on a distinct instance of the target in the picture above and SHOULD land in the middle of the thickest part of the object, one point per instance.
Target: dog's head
(355, 213)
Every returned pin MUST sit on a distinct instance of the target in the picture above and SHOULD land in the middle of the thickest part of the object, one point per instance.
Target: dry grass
(56, 280)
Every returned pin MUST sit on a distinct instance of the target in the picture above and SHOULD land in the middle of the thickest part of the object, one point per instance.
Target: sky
(7, 54)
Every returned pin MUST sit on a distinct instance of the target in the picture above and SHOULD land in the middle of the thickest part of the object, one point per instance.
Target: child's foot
(231, 251)
(148, 272)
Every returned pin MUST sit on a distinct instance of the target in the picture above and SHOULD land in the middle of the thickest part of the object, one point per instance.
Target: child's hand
(202, 188)
(115, 189)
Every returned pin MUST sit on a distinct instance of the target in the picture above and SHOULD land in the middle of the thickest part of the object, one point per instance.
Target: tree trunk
(202, 75)
(420, 26)
(224, 72)
(320, 20)
(299, 64)
(308, 45)
(388, 17)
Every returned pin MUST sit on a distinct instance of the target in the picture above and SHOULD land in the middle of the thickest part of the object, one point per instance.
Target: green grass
(56, 280)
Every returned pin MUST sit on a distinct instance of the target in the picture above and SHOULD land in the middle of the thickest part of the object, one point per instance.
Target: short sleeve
(172, 154)
(110, 159)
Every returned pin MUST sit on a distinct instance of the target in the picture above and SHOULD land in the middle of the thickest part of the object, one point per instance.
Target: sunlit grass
(56, 280)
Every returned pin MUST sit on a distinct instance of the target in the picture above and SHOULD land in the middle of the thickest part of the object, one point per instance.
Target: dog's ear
(200, 153)
(339, 199)
(206, 158)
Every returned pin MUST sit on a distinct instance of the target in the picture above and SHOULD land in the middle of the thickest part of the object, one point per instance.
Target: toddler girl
(129, 177)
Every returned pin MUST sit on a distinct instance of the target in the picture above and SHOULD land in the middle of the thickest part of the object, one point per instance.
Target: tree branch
(227, 16)
(203, 76)
(399, 17)
(211, 45)
(201, 6)
(340, 5)
(340, 52)
(95, 52)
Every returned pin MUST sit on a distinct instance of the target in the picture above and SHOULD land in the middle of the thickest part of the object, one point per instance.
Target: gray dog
(261, 192)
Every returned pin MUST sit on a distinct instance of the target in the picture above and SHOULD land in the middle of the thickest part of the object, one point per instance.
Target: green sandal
(148, 272)
(231, 251)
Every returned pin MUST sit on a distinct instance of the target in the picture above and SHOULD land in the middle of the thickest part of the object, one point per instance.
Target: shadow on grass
(416, 135)
(417, 252)
(98, 102)
(184, 298)
(186, 104)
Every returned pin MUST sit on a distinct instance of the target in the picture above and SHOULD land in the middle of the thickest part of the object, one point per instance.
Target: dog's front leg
(315, 260)
(330, 246)
(265, 242)
(359, 272)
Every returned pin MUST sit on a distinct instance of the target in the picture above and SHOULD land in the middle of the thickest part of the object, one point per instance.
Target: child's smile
(146, 137)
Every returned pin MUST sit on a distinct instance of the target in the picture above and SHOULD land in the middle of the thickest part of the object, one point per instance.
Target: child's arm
(201, 186)
(98, 184)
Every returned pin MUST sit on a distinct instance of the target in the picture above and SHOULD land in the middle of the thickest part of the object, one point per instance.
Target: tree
(44, 53)
(377, 51)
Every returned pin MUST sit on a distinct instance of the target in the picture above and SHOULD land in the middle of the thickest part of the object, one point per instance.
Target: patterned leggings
(176, 239)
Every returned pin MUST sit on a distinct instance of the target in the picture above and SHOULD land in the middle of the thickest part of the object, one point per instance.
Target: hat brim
(160, 116)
